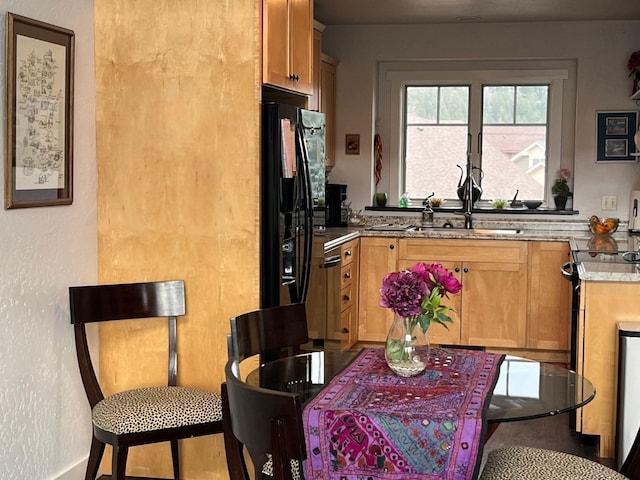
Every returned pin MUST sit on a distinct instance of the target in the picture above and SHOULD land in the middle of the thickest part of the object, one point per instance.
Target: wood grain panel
(378, 257)
(178, 164)
(549, 315)
(603, 305)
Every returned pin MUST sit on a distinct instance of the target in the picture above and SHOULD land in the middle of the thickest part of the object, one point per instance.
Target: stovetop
(607, 249)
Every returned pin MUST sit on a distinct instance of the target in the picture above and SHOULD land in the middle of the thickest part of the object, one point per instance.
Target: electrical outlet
(609, 202)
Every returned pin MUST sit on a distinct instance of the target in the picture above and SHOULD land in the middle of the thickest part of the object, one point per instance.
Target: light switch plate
(609, 202)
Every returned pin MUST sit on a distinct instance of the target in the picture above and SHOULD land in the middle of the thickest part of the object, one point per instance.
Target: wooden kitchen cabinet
(314, 98)
(345, 329)
(287, 44)
(602, 306)
(549, 303)
(327, 93)
(323, 96)
(378, 257)
(492, 307)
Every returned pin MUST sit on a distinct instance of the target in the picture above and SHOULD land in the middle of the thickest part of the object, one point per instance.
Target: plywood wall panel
(178, 168)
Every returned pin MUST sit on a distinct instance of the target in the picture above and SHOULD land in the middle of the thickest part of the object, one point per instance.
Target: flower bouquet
(415, 297)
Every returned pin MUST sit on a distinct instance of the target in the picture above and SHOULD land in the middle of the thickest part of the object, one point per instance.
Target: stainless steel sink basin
(496, 231)
(471, 231)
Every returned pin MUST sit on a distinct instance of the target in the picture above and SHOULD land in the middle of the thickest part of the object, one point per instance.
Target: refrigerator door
(314, 133)
(286, 221)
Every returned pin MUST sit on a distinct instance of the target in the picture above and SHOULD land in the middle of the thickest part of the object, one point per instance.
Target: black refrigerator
(292, 183)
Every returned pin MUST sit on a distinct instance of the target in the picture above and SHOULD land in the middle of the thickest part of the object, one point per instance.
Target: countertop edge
(586, 272)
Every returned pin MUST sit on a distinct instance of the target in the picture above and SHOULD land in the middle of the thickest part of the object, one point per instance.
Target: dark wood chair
(271, 333)
(528, 463)
(143, 415)
(268, 424)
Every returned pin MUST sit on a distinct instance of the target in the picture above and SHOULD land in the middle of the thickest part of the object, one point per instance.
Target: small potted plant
(560, 189)
(633, 65)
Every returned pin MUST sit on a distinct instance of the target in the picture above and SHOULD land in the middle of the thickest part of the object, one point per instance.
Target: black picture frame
(614, 136)
(39, 117)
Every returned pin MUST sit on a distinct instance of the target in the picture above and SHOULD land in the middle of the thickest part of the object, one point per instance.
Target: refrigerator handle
(307, 216)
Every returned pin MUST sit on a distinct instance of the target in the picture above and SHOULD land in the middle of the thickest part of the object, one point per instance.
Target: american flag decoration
(377, 147)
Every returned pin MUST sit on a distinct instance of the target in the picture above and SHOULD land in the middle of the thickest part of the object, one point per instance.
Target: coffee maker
(337, 214)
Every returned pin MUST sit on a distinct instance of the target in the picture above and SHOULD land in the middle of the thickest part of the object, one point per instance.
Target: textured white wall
(44, 416)
(600, 48)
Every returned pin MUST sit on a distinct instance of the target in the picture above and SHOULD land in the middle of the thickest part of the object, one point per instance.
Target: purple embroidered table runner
(371, 423)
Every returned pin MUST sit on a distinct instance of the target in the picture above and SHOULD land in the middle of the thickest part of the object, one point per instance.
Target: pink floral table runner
(369, 423)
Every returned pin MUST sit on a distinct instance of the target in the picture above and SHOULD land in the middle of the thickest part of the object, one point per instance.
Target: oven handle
(567, 271)
(332, 261)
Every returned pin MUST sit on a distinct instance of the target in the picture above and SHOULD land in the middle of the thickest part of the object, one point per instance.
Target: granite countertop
(588, 271)
(609, 272)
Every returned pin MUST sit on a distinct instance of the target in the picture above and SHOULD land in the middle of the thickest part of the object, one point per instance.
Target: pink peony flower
(416, 293)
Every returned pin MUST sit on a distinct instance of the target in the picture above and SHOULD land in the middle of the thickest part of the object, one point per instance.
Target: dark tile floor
(548, 432)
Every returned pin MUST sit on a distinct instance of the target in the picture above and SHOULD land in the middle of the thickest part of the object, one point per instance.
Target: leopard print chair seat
(156, 408)
(527, 463)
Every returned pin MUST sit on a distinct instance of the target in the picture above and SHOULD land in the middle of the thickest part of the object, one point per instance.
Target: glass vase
(407, 347)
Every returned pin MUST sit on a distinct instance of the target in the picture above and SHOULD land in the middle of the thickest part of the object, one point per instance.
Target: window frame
(394, 77)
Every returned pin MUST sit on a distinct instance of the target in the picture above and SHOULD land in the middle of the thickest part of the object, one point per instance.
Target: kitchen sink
(470, 231)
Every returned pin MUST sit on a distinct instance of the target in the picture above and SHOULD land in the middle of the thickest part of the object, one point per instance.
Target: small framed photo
(614, 136)
(352, 144)
(39, 127)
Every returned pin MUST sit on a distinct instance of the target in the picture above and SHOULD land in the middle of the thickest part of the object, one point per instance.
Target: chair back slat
(260, 417)
(268, 331)
(99, 303)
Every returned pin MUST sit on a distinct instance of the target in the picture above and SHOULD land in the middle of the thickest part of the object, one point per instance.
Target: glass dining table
(525, 389)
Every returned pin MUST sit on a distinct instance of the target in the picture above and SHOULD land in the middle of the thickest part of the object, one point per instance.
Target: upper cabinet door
(287, 44)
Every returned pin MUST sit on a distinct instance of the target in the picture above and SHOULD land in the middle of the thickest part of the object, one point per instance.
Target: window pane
(433, 146)
(531, 104)
(498, 105)
(432, 153)
(454, 105)
(513, 158)
(422, 105)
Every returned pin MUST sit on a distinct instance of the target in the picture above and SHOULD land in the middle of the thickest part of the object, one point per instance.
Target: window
(507, 116)
(513, 134)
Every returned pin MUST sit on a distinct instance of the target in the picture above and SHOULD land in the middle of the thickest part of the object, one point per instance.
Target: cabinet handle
(465, 270)
(347, 275)
(293, 77)
(345, 298)
(344, 330)
(347, 253)
(457, 269)
(392, 247)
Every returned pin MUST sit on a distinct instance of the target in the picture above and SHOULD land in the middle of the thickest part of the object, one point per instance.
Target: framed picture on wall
(614, 136)
(39, 127)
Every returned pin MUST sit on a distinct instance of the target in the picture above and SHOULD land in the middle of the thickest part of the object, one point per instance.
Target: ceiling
(380, 12)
